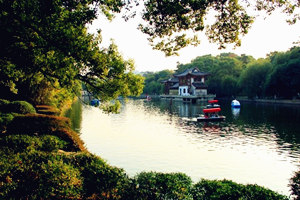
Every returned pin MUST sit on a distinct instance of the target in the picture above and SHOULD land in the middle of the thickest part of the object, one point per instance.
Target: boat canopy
(213, 101)
(211, 110)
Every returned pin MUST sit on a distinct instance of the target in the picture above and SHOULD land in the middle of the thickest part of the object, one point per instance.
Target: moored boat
(211, 113)
(235, 104)
(213, 104)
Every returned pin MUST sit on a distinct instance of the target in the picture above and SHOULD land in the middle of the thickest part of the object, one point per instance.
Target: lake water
(257, 144)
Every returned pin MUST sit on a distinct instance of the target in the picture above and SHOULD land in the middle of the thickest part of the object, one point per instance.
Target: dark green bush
(258, 192)
(153, 185)
(47, 110)
(4, 105)
(5, 119)
(38, 175)
(295, 185)
(21, 107)
(72, 138)
(3, 102)
(213, 189)
(100, 180)
(228, 190)
(52, 143)
(23, 143)
(42, 175)
(38, 124)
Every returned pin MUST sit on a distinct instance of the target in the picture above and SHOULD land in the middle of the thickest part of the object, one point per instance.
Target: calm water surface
(256, 144)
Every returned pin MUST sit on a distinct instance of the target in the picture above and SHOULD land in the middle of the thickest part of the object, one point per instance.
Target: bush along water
(8, 110)
(42, 158)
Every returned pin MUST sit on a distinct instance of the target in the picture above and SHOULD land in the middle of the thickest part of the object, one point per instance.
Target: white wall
(183, 91)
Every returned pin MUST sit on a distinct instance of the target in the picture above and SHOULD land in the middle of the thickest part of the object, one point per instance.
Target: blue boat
(95, 102)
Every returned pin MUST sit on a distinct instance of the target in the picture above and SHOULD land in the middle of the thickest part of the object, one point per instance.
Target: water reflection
(257, 146)
(75, 115)
(235, 112)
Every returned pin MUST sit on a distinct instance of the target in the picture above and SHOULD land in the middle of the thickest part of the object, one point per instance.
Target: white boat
(235, 104)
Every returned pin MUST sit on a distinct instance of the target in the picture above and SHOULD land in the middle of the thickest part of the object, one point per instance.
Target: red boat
(211, 113)
(213, 101)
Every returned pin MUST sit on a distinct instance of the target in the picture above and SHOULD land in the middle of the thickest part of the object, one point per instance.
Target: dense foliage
(46, 52)
(295, 185)
(172, 25)
(231, 75)
(153, 80)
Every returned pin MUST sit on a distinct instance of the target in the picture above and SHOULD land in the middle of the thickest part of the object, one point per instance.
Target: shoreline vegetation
(272, 101)
(272, 79)
(246, 99)
(42, 158)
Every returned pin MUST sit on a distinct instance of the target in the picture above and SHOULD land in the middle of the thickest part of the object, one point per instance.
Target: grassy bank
(42, 158)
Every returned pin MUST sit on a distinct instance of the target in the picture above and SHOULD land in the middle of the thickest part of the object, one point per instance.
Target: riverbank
(42, 158)
(271, 101)
(266, 101)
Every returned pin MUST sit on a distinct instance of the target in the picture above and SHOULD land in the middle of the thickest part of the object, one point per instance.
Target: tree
(253, 79)
(203, 63)
(283, 80)
(224, 75)
(167, 22)
(153, 80)
(47, 42)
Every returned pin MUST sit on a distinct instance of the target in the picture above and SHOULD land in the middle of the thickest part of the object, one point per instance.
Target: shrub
(52, 143)
(213, 189)
(38, 124)
(258, 192)
(72, 138)
(227, 190)
(3, 102)
(38, 175)
(41, 175)
(295, 185)
(153, 185)
(100, 180)
(47, 110)
(22, 143)
(3, 105)
(5, 119)
(21, 107)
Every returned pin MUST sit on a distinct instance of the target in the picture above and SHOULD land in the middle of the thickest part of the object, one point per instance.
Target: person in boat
(206, 115)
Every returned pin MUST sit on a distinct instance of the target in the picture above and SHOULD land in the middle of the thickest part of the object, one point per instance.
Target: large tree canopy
(167, 22)
(47, 42)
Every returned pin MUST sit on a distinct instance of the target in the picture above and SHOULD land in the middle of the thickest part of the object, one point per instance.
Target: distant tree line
(276, 76)
(153, 80)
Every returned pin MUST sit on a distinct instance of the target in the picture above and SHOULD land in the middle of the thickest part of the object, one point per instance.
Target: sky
(265, 35)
